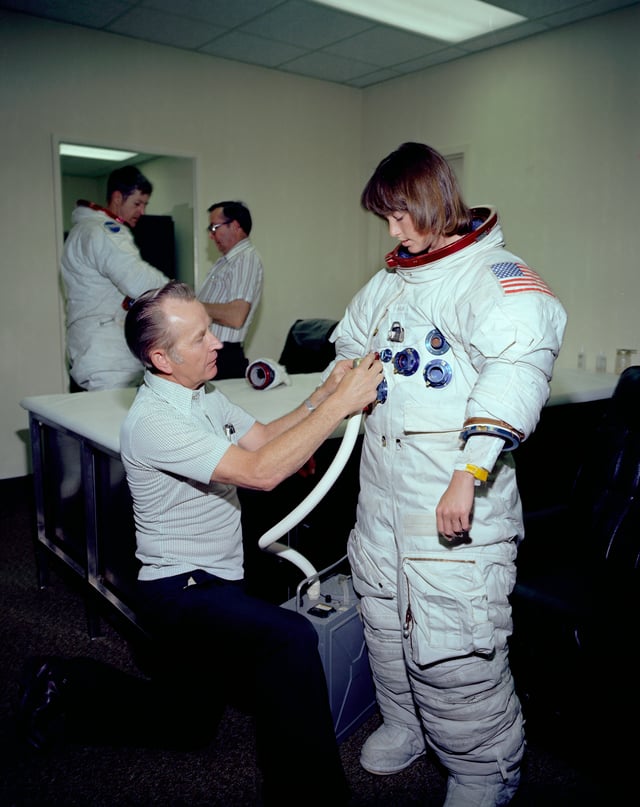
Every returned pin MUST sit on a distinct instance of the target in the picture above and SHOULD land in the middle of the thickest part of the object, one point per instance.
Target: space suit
(101, 266)
(468, 335)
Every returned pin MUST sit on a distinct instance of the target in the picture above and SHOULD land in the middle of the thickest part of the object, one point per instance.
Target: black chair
(575, 603)
(307, 348)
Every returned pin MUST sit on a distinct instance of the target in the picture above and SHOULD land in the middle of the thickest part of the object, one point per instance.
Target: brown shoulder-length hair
(417, 179)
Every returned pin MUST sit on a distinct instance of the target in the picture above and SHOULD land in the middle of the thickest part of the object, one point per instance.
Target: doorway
(167, 232)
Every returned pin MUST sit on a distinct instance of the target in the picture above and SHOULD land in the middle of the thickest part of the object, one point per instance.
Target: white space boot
(391, 749)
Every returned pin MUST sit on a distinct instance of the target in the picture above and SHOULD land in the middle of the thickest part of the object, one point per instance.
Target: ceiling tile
(224, 13)
(581, 11)
(169, 29)
(437, 57)
(319, 65)
(535, 8)
(245, 47)
(385, 46)
(306, 24)
(91, 13)
(496, 38)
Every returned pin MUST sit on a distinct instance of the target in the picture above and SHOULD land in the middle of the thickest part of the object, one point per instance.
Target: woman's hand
(455, 508)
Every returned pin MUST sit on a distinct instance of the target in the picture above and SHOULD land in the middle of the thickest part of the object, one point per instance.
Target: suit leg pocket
(372, 577)
(445, 606)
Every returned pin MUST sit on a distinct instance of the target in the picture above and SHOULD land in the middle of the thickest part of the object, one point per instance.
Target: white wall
(549, 128)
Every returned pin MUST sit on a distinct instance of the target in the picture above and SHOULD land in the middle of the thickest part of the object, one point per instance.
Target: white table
(98, 416)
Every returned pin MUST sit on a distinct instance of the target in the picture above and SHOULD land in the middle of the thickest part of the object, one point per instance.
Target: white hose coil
(268, 541)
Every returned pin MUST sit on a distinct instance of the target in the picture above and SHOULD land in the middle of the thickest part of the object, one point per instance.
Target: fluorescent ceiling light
(93, 153)
(440, 19)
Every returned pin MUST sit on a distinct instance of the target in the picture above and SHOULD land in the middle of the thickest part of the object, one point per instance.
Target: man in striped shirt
(232, 289)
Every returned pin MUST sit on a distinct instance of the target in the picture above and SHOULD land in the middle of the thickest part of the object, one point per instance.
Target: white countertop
(578, 386)
(98, 415)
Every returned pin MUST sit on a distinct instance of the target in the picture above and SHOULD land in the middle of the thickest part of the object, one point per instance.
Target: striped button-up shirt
(238, 275)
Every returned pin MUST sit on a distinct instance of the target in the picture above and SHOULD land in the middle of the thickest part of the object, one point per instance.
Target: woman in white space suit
(468, 334)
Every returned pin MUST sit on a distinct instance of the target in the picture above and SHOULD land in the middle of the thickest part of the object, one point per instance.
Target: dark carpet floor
(52, 621)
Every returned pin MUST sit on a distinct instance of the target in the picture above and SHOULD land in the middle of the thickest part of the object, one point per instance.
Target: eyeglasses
(213, 227)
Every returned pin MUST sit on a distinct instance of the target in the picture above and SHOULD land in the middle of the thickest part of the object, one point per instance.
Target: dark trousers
(216, 644)
(231, 361)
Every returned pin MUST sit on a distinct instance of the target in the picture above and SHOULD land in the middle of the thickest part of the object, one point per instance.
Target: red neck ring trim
(94, 206)
(490, 216)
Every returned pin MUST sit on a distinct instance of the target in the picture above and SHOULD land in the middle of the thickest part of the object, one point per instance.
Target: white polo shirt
(170, 442)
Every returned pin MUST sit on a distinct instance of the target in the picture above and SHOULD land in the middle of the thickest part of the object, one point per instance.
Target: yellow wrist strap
(479, 473)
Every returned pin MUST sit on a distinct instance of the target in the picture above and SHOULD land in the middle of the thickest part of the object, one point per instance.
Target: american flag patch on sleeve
(516, 277)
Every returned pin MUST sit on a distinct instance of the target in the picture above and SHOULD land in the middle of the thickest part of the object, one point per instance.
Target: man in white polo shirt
(184, 451)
